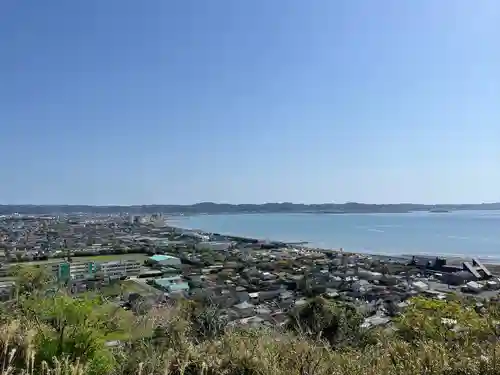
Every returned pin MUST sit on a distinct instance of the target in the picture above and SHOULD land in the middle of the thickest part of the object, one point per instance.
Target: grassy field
(128, 286)
(96, 258)
(139, 287)
(107, 258)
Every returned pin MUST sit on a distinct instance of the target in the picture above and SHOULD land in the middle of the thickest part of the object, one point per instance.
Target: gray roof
(243, 305)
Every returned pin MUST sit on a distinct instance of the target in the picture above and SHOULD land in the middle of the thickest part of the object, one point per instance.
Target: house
(171, 284)
(369, 275)
(300, 302)
(360, 286)
(492, 284)
(420, 285)
(473, 287)
(243, 296)
(267, 276)
(263, 312)
(458, 278)
(254, 296)
(435, 294)
(331, 293)
(269, 295)
(477, 269)
(285, 295)
(244, 309)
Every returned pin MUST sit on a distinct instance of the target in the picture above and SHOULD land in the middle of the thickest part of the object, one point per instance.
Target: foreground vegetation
(45, 331)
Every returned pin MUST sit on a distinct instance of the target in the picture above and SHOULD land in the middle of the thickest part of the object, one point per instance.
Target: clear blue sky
(139, 102)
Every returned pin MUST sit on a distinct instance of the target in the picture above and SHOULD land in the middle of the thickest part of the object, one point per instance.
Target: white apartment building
(117, 269)
(83, 270)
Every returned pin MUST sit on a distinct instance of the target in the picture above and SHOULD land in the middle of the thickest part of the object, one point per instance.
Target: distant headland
(224, 208)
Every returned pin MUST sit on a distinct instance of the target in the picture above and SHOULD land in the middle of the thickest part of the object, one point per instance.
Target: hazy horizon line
(248, 204)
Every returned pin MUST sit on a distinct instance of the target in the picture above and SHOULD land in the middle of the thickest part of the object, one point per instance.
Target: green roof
(160, 258)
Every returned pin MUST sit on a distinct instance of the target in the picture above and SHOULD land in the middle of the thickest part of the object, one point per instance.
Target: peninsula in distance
(223, 208)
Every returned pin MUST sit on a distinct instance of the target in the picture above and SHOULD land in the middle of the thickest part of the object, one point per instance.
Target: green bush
(62, 335)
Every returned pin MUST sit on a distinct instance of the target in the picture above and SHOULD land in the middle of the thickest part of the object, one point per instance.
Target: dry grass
(255, 352)
(18, 354)
(268, 353)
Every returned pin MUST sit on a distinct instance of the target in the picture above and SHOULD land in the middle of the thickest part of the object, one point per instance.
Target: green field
(107, 258)
(128, 286)
(96, 258)
(139, 287)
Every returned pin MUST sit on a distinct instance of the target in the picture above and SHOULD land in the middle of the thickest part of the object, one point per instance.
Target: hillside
(46, 331)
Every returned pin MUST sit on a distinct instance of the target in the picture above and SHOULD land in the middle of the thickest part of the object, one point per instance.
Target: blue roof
(160, 257)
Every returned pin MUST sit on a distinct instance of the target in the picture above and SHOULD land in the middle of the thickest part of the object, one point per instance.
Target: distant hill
(222, 208)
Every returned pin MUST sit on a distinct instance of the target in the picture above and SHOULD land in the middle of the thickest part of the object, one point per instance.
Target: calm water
(465, 233)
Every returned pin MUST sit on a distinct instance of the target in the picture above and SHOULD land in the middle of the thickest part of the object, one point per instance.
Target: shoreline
(452, 258)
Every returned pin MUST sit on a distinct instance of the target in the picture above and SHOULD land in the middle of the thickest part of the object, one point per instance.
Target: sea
(453, 234)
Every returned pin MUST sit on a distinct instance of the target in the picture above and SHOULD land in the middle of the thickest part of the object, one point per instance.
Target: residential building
(172, 284)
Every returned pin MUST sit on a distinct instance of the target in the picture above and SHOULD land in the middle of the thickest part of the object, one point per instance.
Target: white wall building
(83, 270)
(115, 270)
(215, 246)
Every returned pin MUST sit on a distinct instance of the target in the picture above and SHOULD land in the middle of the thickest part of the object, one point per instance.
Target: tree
(141, 305)
(208, 322)
(323, 319)
(447, 321)
(32, 280)
(76, 328)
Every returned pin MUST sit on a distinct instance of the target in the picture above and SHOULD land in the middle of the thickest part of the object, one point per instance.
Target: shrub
(61, 335)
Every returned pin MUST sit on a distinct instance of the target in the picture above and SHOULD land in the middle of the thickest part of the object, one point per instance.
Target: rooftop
(178, 287)
(167, 281)
(160, 258)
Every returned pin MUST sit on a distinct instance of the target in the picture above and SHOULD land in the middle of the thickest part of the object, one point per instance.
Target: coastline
(402, 257)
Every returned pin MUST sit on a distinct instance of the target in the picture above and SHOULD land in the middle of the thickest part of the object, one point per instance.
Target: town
(141, 262)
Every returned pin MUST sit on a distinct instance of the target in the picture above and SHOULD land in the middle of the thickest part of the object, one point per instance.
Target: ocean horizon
(451, 234)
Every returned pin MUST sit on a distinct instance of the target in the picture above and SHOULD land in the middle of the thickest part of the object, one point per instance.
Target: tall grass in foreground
(54, 333)
(189, 341)
(264, 351)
